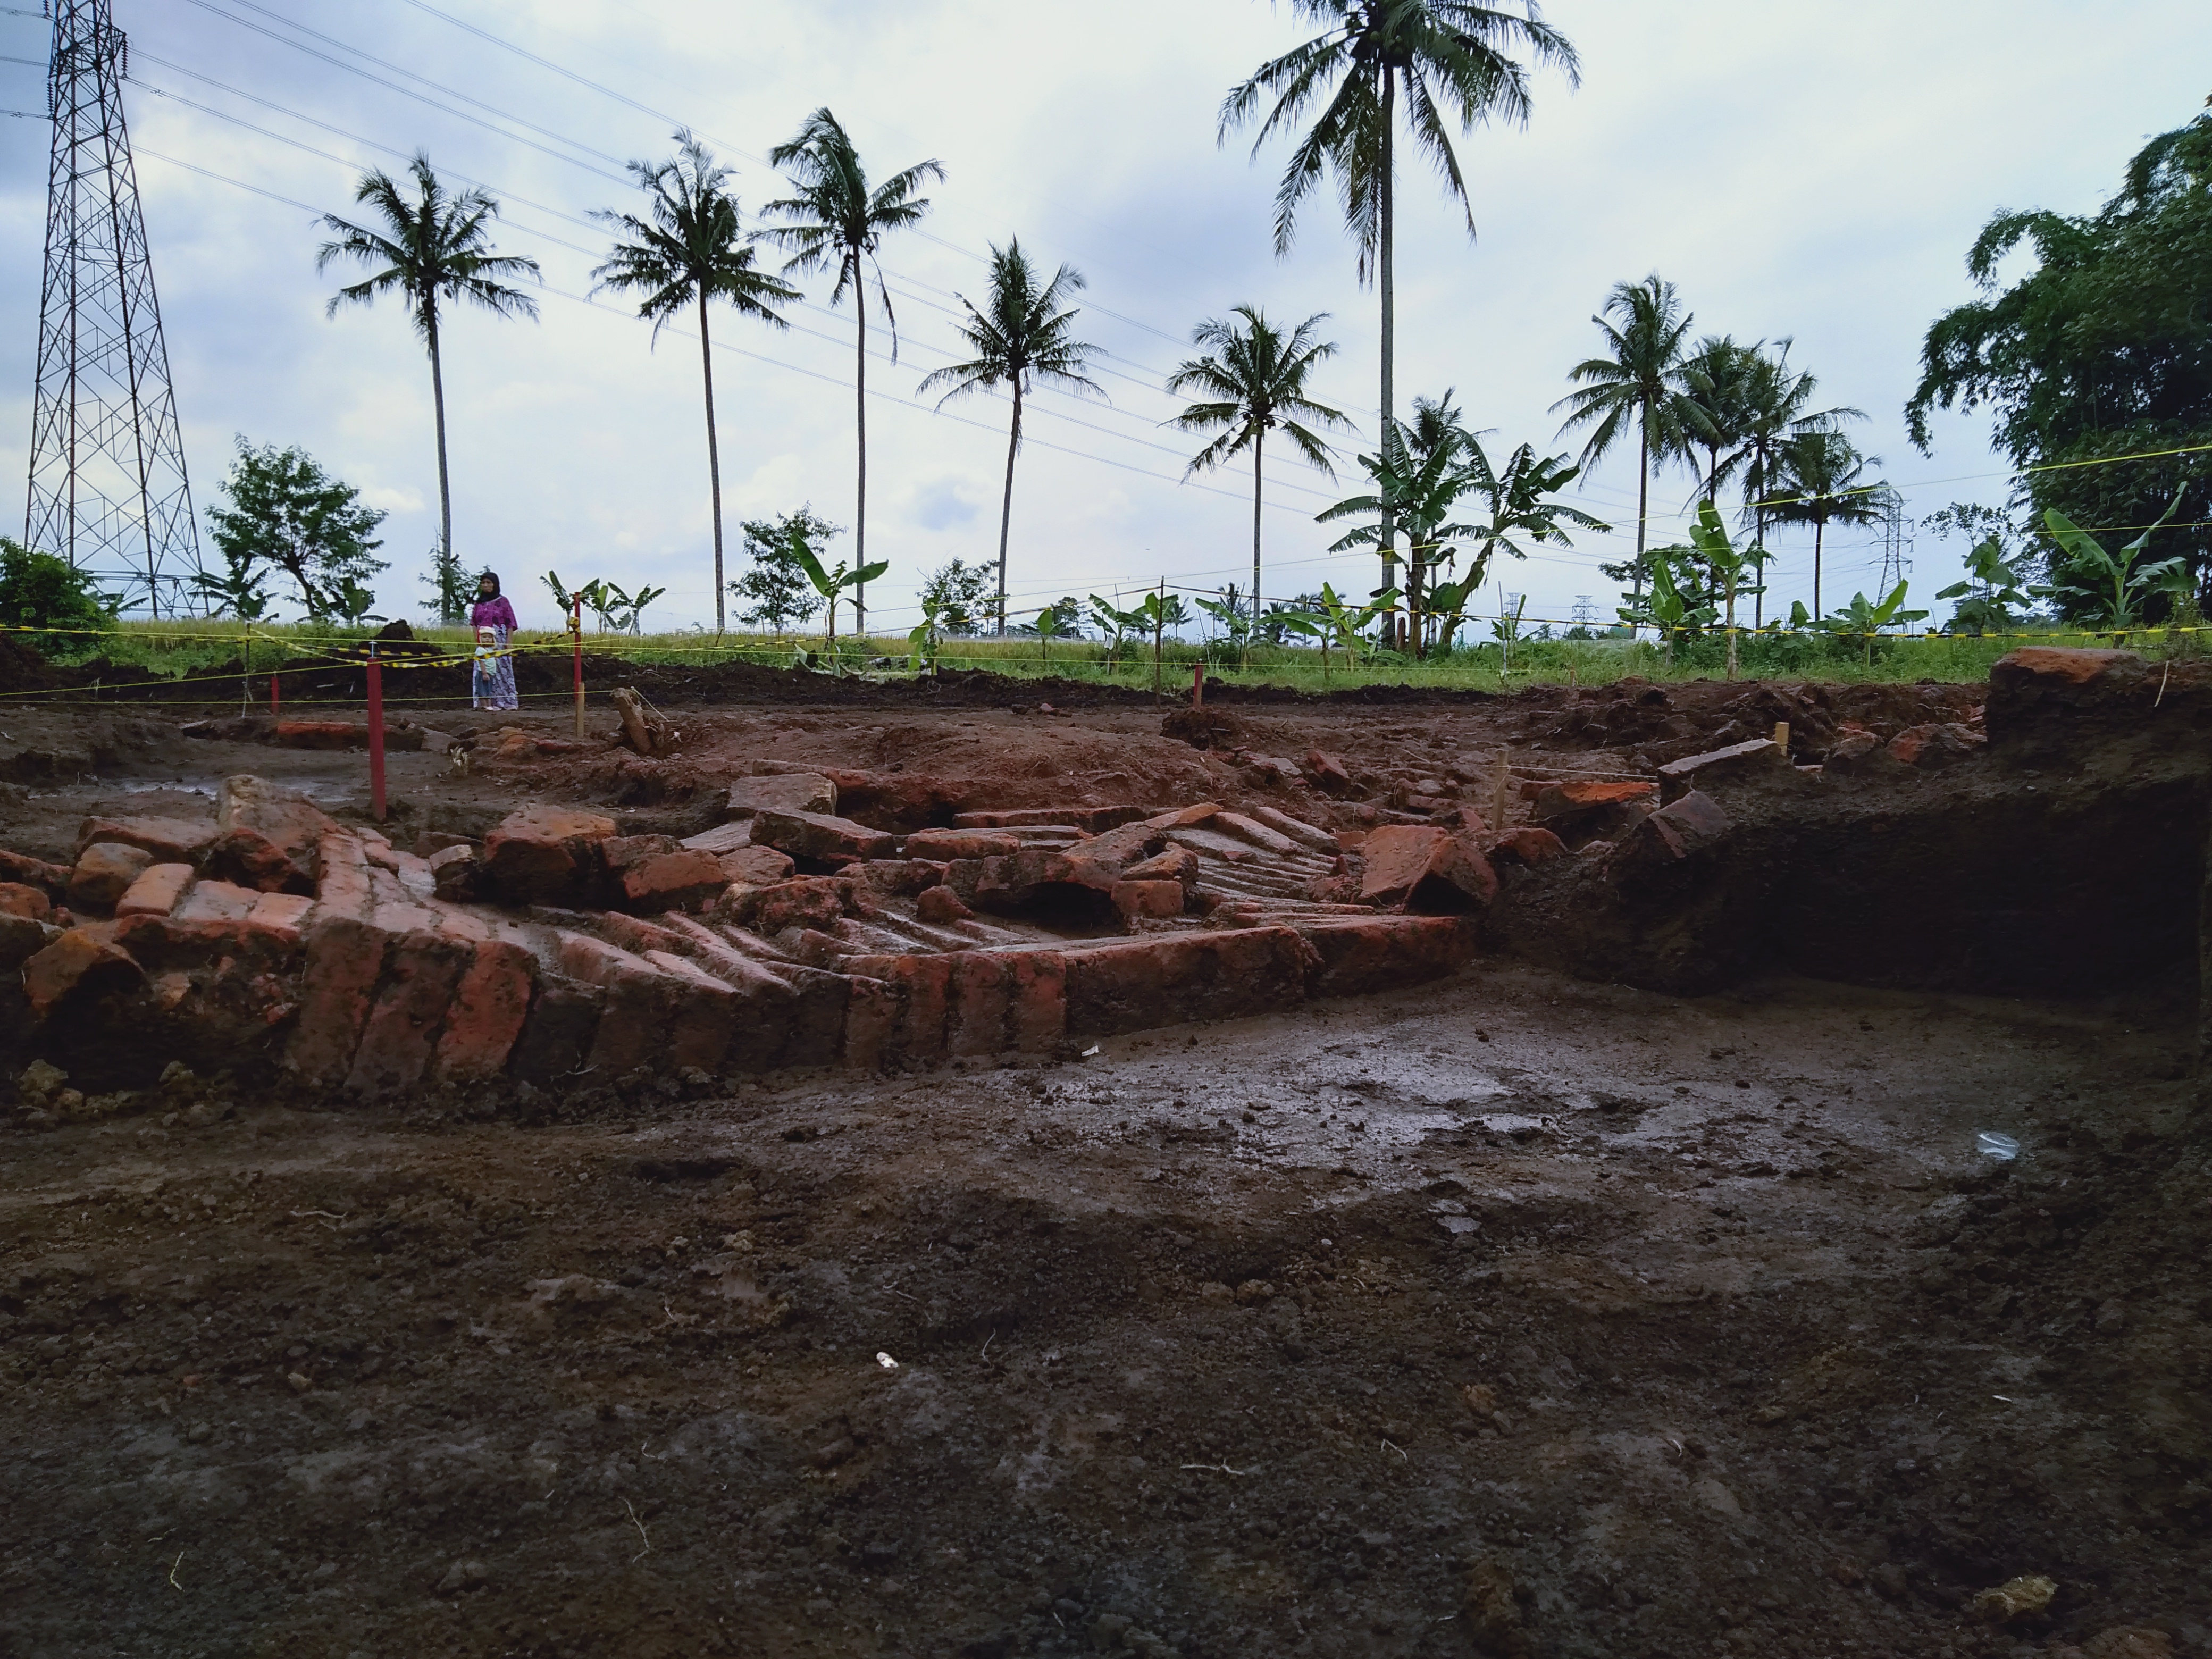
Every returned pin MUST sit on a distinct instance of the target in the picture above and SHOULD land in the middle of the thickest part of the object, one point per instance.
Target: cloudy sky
(1814, 172)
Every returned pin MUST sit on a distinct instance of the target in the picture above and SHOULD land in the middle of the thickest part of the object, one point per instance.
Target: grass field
(193, 647)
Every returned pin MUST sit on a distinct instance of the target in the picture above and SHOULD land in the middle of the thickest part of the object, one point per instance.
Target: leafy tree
(1060, 620)
(690, 249)
(1715, 408)
(1115, 625)
(284, 512)
(2103, 349)
(1446, 58)
(1021, 334)
(1819, 479)
(436, 247)
(1640, 378)
(453, 590)
(2111, 589)
(961, 591)
(775, 590)
(1256, 377)
(838, 223)
(44, 590)
(240, 591)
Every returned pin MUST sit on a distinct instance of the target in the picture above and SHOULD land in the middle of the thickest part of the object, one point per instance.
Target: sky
(1796, 171)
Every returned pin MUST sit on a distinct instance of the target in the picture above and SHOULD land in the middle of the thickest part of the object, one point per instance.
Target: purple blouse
(493, 613)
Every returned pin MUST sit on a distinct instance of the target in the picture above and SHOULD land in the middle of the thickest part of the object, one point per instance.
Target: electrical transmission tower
(1896, 546)
(108, 491)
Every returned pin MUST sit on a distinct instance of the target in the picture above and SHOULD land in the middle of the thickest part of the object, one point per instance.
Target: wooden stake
(375, 734)
(576, 635)
(1782, 736)
(1198, 686)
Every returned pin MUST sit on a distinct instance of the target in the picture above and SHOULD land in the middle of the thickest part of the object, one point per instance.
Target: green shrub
(38, 592)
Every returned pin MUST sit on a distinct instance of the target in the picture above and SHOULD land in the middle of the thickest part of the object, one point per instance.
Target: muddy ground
(1513, 1315)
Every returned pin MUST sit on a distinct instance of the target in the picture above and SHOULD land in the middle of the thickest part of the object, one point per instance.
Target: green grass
(193, 647)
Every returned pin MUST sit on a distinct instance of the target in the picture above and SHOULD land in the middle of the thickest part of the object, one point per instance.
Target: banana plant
(1348, 627)
(832, 582)
(619, 611)
(1448, 606)
(1666, 607)
(2112, 588)
(1236, 625)
(1861, 619)
(1991, 586)
(927, 638)
(1727, 564)
(1160, 611)
(1116, 624)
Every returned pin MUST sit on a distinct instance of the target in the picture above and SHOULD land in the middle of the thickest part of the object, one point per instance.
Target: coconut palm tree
(1021, 334)
(1256, 376)
(1640, 378)
(1715, 409)
(1820, 478)
(838, 221)
(435, 246)
(1445, 58)
(1775, 398)
(690, 251)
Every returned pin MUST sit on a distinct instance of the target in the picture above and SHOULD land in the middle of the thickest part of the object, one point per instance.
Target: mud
(1521, 1313)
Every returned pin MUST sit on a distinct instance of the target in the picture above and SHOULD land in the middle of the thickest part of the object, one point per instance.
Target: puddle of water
(313, 789)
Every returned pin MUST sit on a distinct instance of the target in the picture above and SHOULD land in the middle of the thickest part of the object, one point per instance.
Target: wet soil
(1514, 1315)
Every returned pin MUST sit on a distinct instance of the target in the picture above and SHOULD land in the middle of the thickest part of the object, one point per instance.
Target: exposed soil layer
(1515, 1315)
(1520, 1313)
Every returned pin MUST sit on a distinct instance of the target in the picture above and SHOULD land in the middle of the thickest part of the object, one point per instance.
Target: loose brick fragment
(651, 872)
(249, 859)
(20, 899)
(1415, 867)
(52, 880)
(940, 907)
(78, 965)
(944, 845)
(755, 866)
(284, 816)
(104, 873)
(1758, 761)
(820, 839)
(158, 890)
(171, 841)
(1362, 954)
(545, 855)
(1530, 847)
(786, 792)
(1135, 899)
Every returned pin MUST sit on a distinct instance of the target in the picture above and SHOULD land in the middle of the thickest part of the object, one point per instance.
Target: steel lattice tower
(108, 491)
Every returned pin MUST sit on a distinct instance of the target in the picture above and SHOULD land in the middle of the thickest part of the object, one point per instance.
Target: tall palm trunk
(438, 400)
(1819, 526)
(1389, 336)
(1007, 508)
(861, 490)
(1643, 497)
(1759, 596)
(1259, 439)
(713, 460)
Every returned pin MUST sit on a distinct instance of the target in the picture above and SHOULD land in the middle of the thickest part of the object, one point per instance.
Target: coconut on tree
(1254, 376)
(1023, 333)
(836, 222)
(1433, 62)
(434, 248)
(690, 248)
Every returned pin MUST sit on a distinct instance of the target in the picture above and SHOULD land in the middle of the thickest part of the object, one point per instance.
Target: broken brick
(1531, 846)
(284, 816)
(666, 878)
(1931, 748)
(1167, 979)
(1148, 898)
(344, 957)
(52, 880)
(545, 855)
(1758, 760)
(940, 907)
(157, 891)
(1326, 773)
(1360, 954)
(104, 873)
(78, 964)
(19, 899)
(319, 734)
(1429, 871)
(423, 971)
(1583, 810)
(821, 839)
(171, 841)
(756, 866)
(786, 791)
(803, 901)
(944, 845)
(249, 859)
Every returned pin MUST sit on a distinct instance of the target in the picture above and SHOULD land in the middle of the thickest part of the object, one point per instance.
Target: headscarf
(491, 576)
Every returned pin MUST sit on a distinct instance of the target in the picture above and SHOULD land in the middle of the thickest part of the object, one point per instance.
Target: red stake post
(375, 735)
(1198, 686)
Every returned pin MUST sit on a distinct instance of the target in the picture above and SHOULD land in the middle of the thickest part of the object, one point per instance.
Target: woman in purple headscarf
(493, 678)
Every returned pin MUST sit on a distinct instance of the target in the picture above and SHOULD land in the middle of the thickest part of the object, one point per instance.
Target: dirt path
(1510, 1315)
